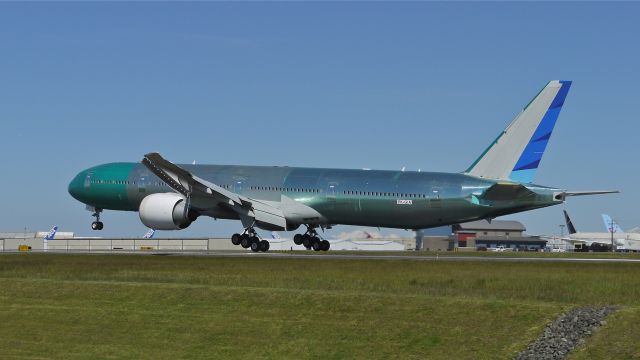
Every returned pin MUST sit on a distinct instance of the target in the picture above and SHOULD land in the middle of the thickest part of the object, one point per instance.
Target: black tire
(306, 241)
(235, 239)
(254, 239)
(245, 242)
(255, 246)
(100, 225)
(316, 244)
(94, 226)
(297, 239)
(325, 245)
(264, 246)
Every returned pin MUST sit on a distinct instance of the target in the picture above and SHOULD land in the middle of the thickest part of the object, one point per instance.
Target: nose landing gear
(97, 225)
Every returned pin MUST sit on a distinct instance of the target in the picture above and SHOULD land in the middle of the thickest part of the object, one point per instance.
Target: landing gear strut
(97, 225)
(311, 240)
(249, 239)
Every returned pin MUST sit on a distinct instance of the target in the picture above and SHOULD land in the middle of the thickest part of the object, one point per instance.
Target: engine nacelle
(164, 211)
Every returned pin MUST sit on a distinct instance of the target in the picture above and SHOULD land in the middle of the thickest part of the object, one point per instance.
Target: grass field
(164, 307)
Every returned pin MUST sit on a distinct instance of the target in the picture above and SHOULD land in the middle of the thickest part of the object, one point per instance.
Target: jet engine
(165, 211)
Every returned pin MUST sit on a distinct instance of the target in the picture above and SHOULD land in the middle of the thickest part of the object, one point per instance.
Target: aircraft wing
(210, 195)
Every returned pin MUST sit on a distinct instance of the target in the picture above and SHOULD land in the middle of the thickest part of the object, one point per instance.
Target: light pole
(611, 230)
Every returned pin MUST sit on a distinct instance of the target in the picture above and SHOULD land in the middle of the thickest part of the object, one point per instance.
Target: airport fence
(114, 245)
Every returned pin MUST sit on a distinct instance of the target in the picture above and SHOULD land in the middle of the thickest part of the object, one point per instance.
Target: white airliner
(623, 241)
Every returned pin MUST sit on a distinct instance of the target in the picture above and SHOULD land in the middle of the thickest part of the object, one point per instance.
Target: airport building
(482, 235)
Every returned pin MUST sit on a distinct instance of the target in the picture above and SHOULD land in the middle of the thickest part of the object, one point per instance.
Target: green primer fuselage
(394, 199)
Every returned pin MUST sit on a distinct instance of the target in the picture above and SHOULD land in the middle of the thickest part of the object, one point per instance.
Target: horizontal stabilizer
(584, 193)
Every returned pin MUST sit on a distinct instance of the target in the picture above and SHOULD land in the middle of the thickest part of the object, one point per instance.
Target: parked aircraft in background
(149, 234)
(600, 240)
(500, 182)
(611, 225)
(51, 234)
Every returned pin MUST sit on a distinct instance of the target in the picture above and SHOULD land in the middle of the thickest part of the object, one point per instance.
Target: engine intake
(164, 212)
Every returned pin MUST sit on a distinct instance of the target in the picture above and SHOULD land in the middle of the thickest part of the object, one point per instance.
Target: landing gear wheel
(306, 241)
(97, 225)
(316, 244)
(325, 245)
(310, 239)
(245, 241)
(235, 239)
(264, 246)
(255, 246)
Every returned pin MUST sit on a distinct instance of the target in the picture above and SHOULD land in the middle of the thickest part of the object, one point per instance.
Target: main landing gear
(97, 225)
(249, 239)
(311, 240)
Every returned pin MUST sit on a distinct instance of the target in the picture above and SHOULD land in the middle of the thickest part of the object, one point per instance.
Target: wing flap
(268, 214)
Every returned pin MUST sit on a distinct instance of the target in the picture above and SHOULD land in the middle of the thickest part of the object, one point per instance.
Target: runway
(337, 256)
(203, 248)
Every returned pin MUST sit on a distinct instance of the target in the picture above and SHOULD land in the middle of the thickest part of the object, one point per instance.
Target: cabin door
(331, 191)
(87, 181)
(435, 202)
(142, 183)
(238, 185)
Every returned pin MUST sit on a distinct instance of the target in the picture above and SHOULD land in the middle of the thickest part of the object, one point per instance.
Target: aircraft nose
(76, 186)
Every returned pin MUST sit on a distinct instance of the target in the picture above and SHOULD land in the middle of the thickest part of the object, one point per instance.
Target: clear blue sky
(349, 85)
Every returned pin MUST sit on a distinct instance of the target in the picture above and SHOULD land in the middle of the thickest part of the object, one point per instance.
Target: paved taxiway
(338, 256)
